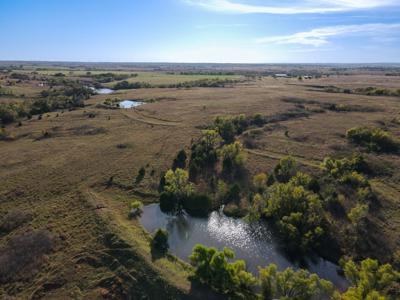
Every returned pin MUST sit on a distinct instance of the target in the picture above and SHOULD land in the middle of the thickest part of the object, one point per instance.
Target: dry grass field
(56, 181)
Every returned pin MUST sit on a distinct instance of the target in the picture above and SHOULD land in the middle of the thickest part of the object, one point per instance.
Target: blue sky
(245, 31)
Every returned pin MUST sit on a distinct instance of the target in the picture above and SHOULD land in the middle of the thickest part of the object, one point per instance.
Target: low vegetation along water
(253, 242)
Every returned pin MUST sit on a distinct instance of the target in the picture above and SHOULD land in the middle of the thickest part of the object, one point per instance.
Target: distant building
(281, 75)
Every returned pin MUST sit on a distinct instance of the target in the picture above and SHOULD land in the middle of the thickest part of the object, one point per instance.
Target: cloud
(320, 36)
(296, 6)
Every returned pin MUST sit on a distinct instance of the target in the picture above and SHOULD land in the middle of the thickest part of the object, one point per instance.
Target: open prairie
(54, 172)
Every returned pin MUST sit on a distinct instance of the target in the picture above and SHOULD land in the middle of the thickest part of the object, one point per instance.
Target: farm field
(55, 170)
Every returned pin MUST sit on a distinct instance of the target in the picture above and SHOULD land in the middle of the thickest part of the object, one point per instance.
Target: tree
(177, 183)
(285, 169)
(159, 241)
(233, 158)
(370, 280)
(297, 214)
(225, 128)
(294, 285)
(177, 190)
(213, 269)
(260, 181)
(180, 160)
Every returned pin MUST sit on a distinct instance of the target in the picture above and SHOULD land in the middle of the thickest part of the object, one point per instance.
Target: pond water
(252, 242)
(102, 91)
(130, 103)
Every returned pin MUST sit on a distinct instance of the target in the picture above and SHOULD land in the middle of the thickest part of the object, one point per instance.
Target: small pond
(102, 91)
(130, 103)
(252, 242)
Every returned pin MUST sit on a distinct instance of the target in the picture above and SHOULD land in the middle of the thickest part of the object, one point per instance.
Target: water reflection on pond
(252, 242)
(102, 91)
(130, 103)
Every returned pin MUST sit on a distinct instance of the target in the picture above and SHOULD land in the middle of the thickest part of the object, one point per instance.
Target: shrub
(140, 175)
(358, 214)
(374, 139)
(159, 242)
(354, 179)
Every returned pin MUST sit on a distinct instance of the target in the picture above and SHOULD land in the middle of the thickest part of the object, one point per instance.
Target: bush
(374, 139)
(140, 175)
(358, 214)
(159, 242)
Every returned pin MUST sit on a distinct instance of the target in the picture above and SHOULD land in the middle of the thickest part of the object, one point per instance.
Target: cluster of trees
(215, 82)
(288, 199)
(374, 139)
(369, 280)
(68, 97)
(126, 85)
(109, 77)
(369, 91)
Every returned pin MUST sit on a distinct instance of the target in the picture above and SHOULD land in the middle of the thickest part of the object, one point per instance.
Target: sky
(222, 31)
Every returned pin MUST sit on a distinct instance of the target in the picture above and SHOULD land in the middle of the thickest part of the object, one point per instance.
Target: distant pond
(102, 91)
(252, 242)
(130, 103)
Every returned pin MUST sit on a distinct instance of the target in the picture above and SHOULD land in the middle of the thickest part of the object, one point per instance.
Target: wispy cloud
(294, 7)
(320, 36)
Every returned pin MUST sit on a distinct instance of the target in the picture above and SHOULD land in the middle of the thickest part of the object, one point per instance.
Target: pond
(102, 91)
(252, 242)
(130, 103)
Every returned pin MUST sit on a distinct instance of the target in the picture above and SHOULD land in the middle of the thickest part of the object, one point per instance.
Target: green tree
(177, 190)
(293, 285)
(159, 242)
(233, 158)
(285, 169)
(297, 214)
(370, 280)
(212, 267)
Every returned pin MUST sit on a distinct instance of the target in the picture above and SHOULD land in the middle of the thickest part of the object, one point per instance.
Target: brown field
(59, 180)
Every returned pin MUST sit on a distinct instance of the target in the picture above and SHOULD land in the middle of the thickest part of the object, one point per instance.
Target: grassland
(59, 179)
